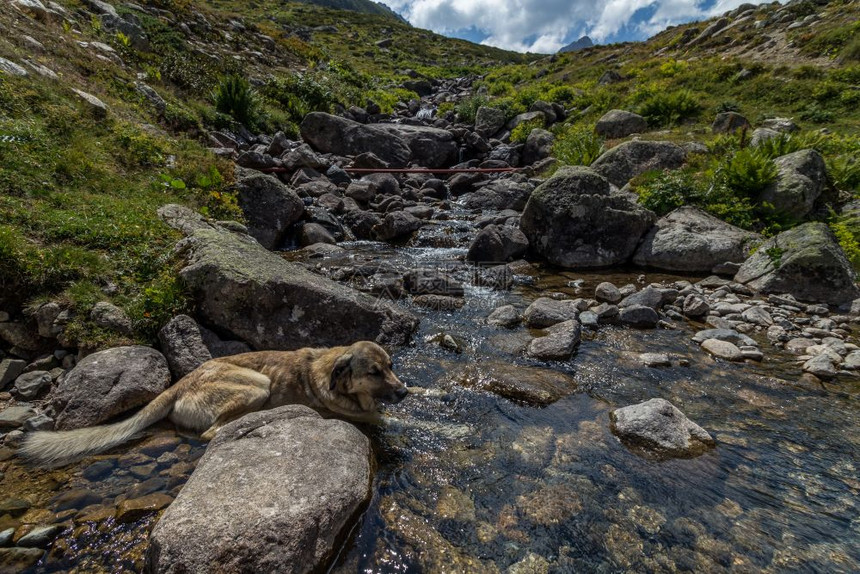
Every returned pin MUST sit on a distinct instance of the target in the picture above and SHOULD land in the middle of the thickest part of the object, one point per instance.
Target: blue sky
(546, 25)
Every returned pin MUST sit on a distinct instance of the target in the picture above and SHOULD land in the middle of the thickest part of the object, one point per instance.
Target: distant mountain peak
(581, 44)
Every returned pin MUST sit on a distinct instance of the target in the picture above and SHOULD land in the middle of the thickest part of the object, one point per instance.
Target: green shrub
(661, 192)
(467, 108)
(664, 109)
(577, 146)
(844, 170)
(234, 97)
(728, 106)
(813, 112)
(747, 172)
(849, 239)
(521, 133)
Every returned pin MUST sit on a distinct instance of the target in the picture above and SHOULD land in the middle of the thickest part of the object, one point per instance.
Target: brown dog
(341, 381)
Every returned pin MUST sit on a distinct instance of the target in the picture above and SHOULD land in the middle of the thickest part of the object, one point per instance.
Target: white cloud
(544, 26)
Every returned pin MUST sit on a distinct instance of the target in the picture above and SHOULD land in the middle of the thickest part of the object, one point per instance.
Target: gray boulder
(397, 225)
(538, 146)
(489, 121)
(107, 383)
(729, 122)
(500, 194)
(183, 344)
(505, 316)
(620, 124)
(624, 162)
(545, 312)
(801, 178)
(498, 244)
(340, 136)
(640, 316)
(571, 220)
(761, 135)
(691, 240)
(659, 428)
(276, 491)
(269, 206)
(29, 385)
(429, 147)
(806, 262)
(270, 303)
(559, 344)
(108, 316)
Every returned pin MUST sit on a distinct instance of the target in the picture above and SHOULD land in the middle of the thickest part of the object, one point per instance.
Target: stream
(470, 481)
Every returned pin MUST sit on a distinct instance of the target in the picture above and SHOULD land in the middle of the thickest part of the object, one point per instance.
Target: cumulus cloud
(544, 26)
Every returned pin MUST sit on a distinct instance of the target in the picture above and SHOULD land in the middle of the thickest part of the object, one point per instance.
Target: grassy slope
(78, 195)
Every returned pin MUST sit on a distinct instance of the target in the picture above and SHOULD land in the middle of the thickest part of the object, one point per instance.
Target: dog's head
(364, 371)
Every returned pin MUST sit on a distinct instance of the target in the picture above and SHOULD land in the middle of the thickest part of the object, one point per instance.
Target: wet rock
(183, 345)
(108, 383)
(340, 136)
(76, 498)
(506, 316)
(801, 178)
(14, 506)
(806, 262)
(498, 244)
(658, 427)
(620, 124)
(655, 360)
(649, 297)
(559, 344)
(571, 220)
(98, 470)
(14, 417)
(822, 366)
(362, 223)
(314, 234)
(729, 335)
(607, 293)
(624, 162)
(270, 303)
(397, 225)
(269, 206)
(40, 537)
(438, 302)
(19, 559)
(545, 312)
(639, 316)
(530, 385)
(695, 306)
(722, 350)
(432, 282)
(691, 240)
(232, 514)
(134, 509)
(6, 539)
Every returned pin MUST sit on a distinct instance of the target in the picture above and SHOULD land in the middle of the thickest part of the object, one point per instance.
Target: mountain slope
(363, 6)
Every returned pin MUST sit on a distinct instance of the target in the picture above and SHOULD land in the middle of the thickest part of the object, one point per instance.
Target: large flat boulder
(689, 239)
(624, 162)
(806, 262)
(258, 297)
(573, 221)
(430, 147)
(276, 491)
(107, 383)
(333, 134)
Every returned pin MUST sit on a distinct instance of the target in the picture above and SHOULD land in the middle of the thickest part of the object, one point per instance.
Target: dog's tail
(53, 449)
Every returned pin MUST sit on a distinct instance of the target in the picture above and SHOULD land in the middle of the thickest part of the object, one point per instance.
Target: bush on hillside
(235, 98)
(747, 172)
(664, 109)
(521, 133)
(467, 108)
(577, 145)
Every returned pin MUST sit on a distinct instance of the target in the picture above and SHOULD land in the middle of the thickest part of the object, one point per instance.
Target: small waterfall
(426, 113)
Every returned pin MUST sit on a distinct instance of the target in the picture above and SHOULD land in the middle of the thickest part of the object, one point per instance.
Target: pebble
(821, 366)
(6, 537)
(98, 470)
(655, 360)
(136, 508)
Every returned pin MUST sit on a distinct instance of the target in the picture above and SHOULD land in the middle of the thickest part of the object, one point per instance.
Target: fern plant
(577, 146)
(748, 172)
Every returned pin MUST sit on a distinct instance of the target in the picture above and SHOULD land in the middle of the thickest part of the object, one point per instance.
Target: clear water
(472, 482)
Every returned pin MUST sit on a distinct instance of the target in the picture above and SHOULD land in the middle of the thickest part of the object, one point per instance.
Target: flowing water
(469, 481)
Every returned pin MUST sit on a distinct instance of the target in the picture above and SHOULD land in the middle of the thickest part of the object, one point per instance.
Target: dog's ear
(341, 367)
